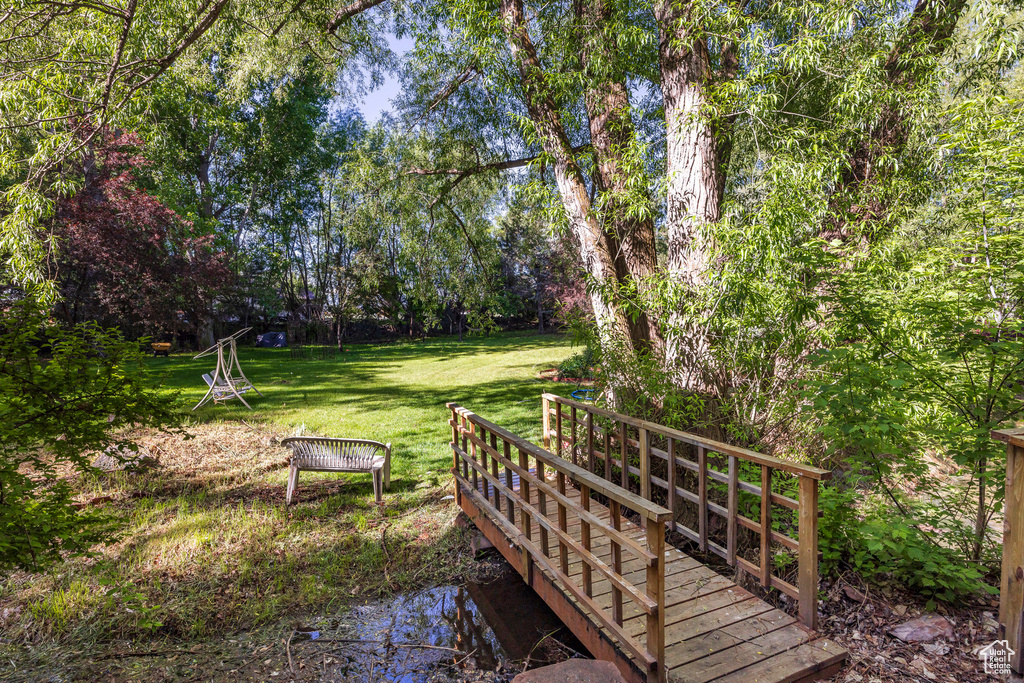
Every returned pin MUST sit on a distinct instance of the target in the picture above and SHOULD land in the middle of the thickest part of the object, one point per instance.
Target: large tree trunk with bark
(695, 177)
(613, 136)
(596, 246)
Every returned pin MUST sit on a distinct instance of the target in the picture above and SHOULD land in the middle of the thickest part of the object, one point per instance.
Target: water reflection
(478, 631)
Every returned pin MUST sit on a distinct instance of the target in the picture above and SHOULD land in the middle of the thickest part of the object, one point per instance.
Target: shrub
(64, 395)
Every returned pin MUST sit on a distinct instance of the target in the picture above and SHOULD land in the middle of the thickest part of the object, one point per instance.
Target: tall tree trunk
(596, 247)
(695, 176)
(613, 136)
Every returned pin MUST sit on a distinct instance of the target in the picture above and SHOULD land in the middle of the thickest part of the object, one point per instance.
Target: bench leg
(378, 484)
(293, 482)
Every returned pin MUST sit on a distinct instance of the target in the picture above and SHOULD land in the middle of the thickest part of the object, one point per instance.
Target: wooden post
(472, 454)
(672, 481)
(615, 512)
(546, 407)
(542, 507)
(702, 497)
(563, 524)
(574, 452)
(733, 511)
(585, 539)
(465, 449)
(1011, 587)
(766, 526)
(808, 553)
(590, 441)
(656, 591)
(455, 454)
(509, 510)
(558, 428)
(525, 520)
(607, 454)
(645, 464)
(497, 478)
(624, 455)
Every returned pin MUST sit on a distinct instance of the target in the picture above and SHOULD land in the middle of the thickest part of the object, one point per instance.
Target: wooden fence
(710, 481)
(511, 479)
(1011, 586)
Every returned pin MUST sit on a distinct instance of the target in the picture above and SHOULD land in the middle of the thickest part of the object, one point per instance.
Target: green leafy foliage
(884, 549)
(64, 395)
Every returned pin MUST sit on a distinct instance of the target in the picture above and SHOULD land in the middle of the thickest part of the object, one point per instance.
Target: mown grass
(208, 546)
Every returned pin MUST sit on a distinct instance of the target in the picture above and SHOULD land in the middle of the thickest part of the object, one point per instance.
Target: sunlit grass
(208, 546)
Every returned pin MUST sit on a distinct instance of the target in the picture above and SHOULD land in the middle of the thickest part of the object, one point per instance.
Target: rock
(900, 610)
(573, 671)
(479, 542)
(923, 629)
(854, 594)
(937, 649)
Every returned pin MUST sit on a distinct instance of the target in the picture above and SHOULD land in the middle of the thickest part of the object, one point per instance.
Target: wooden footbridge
(586, 526)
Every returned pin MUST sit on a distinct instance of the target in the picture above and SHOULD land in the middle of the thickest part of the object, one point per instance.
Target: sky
(378, 101)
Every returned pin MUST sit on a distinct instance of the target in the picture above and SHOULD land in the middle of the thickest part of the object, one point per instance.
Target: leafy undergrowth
(209, 548)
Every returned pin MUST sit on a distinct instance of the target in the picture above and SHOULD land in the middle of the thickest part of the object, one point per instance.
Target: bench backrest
(319, 451)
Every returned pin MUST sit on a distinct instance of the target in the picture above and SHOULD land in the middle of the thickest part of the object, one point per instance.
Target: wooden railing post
(573, 450)
(558, 429)
(455, 454)
(1011, 586)
(733, 511)
(615, 513)
(807, 582)
(702, 497)
(645, 464)
(546, 406)
(656, 591)
(590, 441)
(624, 455)
(766, 526)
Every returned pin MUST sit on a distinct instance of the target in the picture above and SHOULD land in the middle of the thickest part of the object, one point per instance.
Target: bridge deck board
(716, 631)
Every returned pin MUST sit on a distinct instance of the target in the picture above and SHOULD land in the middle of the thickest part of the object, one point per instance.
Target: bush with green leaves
(924, 360)
(65, 394)
(578, 366)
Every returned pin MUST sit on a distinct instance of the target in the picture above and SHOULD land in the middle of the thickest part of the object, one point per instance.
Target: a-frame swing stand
(224, 385)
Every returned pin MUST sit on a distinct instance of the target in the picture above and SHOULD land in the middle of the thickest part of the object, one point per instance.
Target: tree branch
(350, 11)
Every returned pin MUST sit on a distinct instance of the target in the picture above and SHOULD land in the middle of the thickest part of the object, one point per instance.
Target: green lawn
(209, 548)
(393, 393)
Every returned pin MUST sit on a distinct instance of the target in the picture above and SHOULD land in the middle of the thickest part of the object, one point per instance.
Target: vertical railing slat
(585, 539)
(590, 441)
(702, 496)
(607, 454)
(672, 481)
(733, 505)
(563, 549)
(455, 454)
(509, 482)
(558, 428)
(615, 514)
(546, 405)
(624, 455)
(573, 450)
(766, 526)
(542, 507)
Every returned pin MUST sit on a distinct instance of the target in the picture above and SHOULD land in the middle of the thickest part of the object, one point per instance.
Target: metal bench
(323, 454)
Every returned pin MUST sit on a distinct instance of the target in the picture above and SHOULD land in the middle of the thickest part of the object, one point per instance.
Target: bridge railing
(520, 484)
(695, 478)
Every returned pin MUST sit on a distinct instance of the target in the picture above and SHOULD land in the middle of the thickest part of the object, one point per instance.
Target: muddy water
(487, 631)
